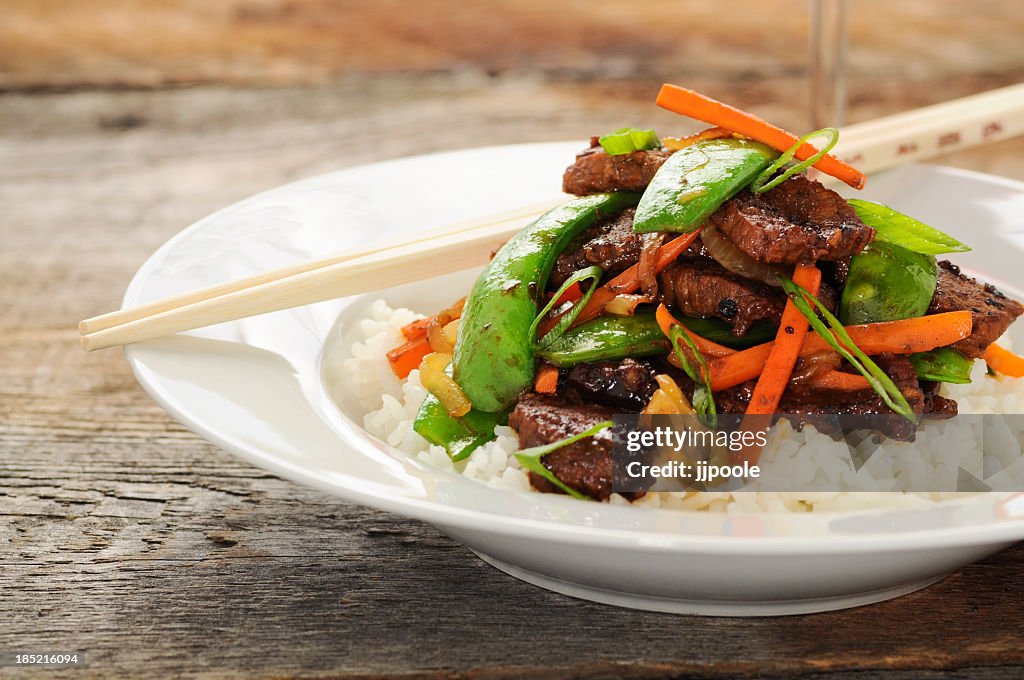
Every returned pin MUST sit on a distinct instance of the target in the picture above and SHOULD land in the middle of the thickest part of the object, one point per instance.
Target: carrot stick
(704, 346)
(899, 337)
(571, 294)
(695, 105)
(786, 350)
(547, 380)
(405, 358)
(1002, 360)
(416, 329)
(626, 282)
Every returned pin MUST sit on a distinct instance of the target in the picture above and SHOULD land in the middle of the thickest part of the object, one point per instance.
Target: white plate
(253, 387)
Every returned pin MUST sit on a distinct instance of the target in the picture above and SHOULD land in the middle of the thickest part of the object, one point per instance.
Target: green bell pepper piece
(944, 364)
(459, 436)
(696, 180)
(886, 283)
(607, 338)
(494, 356)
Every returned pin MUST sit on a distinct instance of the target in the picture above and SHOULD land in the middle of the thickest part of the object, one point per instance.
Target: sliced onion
(668, 399)
(438, 339)
(812, 365)
(451, 332)
(677, 143)
(625, 305)
(646, 268)
(738, 262)
(435, 379)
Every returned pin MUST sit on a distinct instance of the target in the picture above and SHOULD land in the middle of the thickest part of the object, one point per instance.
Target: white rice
(356, 365)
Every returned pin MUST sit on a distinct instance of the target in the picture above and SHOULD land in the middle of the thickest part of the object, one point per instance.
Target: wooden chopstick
(122, 316)
(406, 263)
(872, 146)
(931, 131)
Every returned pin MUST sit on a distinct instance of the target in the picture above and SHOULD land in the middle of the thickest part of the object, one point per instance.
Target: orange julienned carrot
(404, 358)
(571, 294)
(786, 350)
(416, 329)
(706, 347)
(547, 380)
(1002, 360)
(905, 336)
(626, 282)
(695, 105)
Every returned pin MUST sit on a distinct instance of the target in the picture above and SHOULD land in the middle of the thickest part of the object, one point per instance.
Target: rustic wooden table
(127, 538)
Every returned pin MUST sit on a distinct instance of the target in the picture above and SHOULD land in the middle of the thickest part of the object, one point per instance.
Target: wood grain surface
(128, 539)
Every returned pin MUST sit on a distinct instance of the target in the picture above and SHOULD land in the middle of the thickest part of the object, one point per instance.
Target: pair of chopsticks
(871, 146)
(375, 267)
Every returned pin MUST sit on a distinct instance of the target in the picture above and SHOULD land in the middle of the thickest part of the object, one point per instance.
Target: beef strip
(626, 385)
(936, 405)
(835, 272)
(612, 245)
(991, 311)
(798, 222)
(807, 407)
(702, 287)
(595, 172)
(585, 465)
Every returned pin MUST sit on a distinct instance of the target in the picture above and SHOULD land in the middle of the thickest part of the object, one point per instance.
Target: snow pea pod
(719, 331)
(459, 436)
(886, 283)
(494, 356)
(944, 364)
(607, 338)
(696, 180)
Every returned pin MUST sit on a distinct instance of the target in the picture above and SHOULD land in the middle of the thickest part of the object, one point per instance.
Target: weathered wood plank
(125, 537)
(147, 43)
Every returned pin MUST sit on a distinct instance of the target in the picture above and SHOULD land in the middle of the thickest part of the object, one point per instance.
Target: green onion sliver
(530, 458)
(837, 337)
(761, 184)
(703, 399)
(628, 140)
(567, 319)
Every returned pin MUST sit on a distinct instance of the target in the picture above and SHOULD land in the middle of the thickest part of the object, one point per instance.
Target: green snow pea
(696, 180)
(607, 338)
(719, 331)
(944, 364)
(610, 338)
(494, 357)
(459, 436)
(886, 283)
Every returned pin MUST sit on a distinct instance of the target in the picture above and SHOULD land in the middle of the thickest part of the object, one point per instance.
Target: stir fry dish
(701, 275)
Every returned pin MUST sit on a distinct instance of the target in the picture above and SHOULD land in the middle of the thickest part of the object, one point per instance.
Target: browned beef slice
(991, 311)
(595, 172)
(936, 405)
(809, 404)
(626, 385)
(798, 222)
(586, 465)
(612, 245)
(835, 272)
(702, 287)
